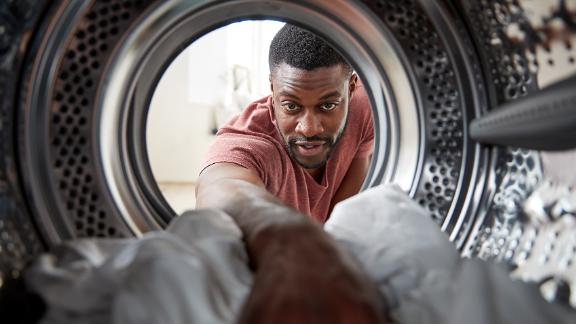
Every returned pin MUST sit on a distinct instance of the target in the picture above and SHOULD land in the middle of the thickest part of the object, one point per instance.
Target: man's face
(311, 110)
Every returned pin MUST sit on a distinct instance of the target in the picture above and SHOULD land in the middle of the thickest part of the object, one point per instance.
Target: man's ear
(271, 85)
(352, 83)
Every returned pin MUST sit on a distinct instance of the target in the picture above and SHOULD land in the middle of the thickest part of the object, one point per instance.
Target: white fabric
(420, 272)
(196, 271)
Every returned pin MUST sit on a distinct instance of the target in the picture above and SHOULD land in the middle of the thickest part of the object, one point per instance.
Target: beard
(291, 148)
(330, 144)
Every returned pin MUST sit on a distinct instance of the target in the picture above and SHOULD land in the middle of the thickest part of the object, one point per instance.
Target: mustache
(293, 139)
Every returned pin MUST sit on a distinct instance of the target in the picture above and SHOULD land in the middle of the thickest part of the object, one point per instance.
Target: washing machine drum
(76, 79)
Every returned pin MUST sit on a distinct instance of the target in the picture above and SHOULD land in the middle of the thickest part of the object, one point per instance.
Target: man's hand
(304, 278)
(301, 275)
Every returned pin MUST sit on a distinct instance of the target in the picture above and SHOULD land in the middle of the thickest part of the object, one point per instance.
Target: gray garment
(196, 271)
(420, 272)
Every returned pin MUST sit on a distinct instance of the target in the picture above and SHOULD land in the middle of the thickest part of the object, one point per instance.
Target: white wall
(197, 91)
(181, 118)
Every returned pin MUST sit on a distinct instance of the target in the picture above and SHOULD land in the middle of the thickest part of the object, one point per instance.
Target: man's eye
(328, 106)
(290, 106)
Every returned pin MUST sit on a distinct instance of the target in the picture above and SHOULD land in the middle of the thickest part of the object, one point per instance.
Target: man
(296, 143)
(288, 158)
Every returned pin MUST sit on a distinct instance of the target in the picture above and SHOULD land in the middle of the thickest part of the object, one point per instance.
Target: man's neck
(316, 173)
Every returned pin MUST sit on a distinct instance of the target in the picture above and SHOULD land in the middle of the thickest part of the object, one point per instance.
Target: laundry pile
(197, 271)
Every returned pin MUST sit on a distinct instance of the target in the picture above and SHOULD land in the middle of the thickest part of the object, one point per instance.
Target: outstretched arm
(301, 274)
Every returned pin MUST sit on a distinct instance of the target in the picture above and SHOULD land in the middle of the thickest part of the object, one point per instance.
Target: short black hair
(302, 49)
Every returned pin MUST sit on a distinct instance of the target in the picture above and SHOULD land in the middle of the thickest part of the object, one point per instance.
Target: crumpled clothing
(194, 272)
(197, 271)
(420, 273)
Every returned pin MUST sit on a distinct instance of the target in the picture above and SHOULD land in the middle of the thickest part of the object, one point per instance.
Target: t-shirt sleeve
(366, 143)
(249, 151)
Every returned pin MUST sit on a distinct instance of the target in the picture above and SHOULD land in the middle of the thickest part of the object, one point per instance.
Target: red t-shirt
(252, 140)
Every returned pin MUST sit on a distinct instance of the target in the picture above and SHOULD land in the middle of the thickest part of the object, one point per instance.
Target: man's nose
(310, 125)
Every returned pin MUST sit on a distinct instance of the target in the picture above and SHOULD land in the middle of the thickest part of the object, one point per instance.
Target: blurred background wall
(210, 81)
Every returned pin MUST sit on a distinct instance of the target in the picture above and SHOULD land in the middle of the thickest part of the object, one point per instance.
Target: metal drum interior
(74, 161)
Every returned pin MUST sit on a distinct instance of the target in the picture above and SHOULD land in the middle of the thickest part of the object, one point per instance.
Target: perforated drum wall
(71, 113)
(431, 66)
(441, 102)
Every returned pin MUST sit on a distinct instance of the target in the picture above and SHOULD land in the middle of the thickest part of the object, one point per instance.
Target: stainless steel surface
(39, 167)
(525, 46)
(546, 251)
(62, 182)
(430, 67)
(20, 239)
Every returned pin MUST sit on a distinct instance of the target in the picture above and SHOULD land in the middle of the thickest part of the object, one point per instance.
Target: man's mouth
(305, 148)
